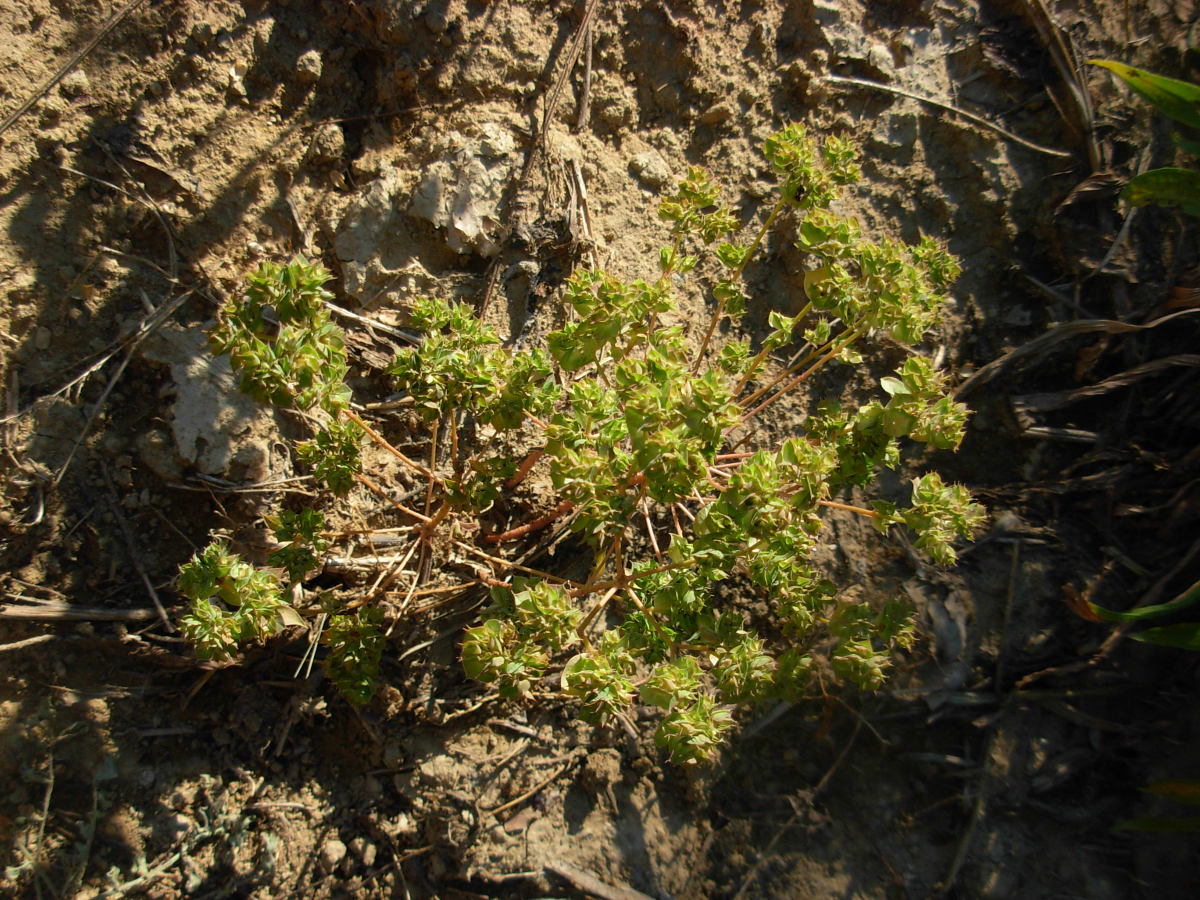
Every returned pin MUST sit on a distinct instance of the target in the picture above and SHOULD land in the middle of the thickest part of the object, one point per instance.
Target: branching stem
(382, 442)
(846, 341)
(762, 355)
(733, 277)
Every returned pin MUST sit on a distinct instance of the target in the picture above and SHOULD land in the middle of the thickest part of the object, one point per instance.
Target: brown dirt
(198, 139)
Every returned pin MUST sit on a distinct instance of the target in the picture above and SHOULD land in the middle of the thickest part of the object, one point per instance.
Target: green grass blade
(1178, 99)
(1185, 635)
(1166, 187)
(1177, 789)
(1183, 601)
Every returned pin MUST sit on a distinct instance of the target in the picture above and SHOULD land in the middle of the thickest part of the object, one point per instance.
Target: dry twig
(969, 116)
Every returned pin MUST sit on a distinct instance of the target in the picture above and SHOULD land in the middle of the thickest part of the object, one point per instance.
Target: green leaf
(1178, 99)
(1183, 601)
(1185, 635)
(1179, 790)
(1166, 187)
(1187, 145)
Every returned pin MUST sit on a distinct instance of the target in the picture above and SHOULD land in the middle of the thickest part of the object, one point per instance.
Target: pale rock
(461, 192)
(309, 67)
(215, 426)
(74, 84)
(332, 852)
(650, 169)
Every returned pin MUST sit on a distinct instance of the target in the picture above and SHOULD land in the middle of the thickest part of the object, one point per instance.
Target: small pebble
(332, 852)
(308, 67)
(715, 115)
(328, 145)
(42, 337)
(74, 84)
(650, 169)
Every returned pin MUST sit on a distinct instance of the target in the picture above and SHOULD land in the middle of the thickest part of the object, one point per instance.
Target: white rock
(215, 425)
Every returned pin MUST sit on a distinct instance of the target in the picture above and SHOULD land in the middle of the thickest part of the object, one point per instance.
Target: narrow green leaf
(1187, 145)
(1180, 790)
(1160, 823)
(1183, 601)
(1177, 99)
(1185, 635)
(1166, 187)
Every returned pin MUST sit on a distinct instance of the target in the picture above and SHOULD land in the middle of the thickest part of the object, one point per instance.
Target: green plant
(1178, 790)
(637, 426)
(1183, 635)
(1168, 186)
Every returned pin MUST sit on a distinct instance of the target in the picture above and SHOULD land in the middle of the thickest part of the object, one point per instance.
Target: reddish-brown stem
(529, 527)
(438, 517)
(382, 442)
(523, 470)
(803, 376)
(380, 492)
(833, 504)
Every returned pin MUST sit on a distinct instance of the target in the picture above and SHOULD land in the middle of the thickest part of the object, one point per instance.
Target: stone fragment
(216, 427)
(332, 852)
(74, 84)
(461, 192)
(715, 115)
(650, 169)
(329, 143)
(308, 67)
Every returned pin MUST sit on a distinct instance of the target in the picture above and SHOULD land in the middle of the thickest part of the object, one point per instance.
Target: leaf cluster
(289, 353)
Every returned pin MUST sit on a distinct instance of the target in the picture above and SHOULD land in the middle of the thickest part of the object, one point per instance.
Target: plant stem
(564, 507)
(733, 277)
(650, 617)
(433, 447)
(591, 587)
(380, 492)
(516, 567)
(795, 367)
(382, 442)
(848, 338)
(527, 464)
(833, 504)
(758, 360)
(438, 517)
